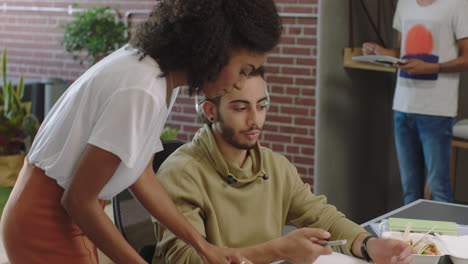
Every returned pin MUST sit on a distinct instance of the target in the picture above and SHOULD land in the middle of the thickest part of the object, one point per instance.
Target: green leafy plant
(95, 31)
(169, 133)
(17, 125)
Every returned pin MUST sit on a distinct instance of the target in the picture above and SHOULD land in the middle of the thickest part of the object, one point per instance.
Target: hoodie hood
(252, 168)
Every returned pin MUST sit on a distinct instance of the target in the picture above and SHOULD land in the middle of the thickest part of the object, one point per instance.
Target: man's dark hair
(260, 71)
(199, 36)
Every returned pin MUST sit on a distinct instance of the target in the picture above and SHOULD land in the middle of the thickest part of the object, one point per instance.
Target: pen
(332, 243)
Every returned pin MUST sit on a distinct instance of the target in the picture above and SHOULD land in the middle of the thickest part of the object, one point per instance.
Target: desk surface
(427, 210)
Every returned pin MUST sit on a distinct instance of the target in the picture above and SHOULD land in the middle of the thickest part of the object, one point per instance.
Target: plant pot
(10, 167)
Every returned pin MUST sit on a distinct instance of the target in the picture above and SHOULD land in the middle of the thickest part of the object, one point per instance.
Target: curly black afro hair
(198, 36)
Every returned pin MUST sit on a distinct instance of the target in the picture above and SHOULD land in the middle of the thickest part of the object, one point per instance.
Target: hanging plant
(93, 34)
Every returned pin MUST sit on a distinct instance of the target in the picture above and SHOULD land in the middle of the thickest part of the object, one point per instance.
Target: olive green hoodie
(249, 211)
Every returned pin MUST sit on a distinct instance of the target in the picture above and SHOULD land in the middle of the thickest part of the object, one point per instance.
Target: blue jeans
(423, 144)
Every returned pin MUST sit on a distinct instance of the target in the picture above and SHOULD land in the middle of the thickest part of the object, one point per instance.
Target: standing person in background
(100, 137)
(434, 43)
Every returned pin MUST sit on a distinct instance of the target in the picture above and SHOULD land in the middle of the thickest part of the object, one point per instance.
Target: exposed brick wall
(33, 38)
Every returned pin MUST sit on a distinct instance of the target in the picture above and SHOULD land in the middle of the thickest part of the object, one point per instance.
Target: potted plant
(97, 31)
(169, 133)
(17, 127)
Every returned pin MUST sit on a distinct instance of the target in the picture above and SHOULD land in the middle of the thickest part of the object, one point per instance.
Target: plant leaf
(20, 87)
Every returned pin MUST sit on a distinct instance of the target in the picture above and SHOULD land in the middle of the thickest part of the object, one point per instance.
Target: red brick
(288, 40)
(296, 71)
(297, 51)
(307, 41)
(278, 147)
(277, 89)
(182, 118)
(190, 128)
(309, 141)
(301, 170)
(310, 31)
(272, 69)
(288, 20)
(190, 109)
(277, 79)
(295, 110)
(307, 21)
(292, 149)
(277, 138)
(281, 119)
(273, 109)
(311, 62)
(281, 99)
(303, 81)
(308, 151)
(292, 91)
(304, 101)
(293, 130)
(304, 121)
(297, 9)
(280, 60)
(294, 30)
(304, 160)
(308, 91)
(271, 128)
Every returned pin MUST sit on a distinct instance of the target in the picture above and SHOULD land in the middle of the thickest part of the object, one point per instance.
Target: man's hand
(370, 48)
(298, 246)
(415, 66)
(389, 251)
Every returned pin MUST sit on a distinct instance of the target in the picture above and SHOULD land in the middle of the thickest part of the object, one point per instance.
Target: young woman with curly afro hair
(101, 135)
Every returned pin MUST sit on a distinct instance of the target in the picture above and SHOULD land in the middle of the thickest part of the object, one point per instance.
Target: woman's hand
(215, 255)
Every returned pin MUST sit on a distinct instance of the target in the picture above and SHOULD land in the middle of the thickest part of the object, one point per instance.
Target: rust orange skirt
(35, 226)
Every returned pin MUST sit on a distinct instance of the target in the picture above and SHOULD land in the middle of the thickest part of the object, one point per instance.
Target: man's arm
(370, 48)
(459, 64)
(309, 210)
(383, 251)
(296, 247)
(306, 209)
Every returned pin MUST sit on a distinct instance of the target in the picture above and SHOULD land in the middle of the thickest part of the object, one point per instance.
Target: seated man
(241, 195)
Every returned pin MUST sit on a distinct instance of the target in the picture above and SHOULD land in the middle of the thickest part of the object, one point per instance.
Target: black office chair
(132, 220)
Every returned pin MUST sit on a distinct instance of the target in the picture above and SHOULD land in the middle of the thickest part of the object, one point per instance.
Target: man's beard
(228, 135)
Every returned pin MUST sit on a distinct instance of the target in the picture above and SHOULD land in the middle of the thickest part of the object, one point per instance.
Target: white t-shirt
(118, 105)
(430, 33)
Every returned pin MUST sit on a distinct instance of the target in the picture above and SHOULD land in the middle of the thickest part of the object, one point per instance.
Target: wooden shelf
(349, 63)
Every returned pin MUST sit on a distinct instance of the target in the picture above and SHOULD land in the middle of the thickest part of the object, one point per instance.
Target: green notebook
(443, 227)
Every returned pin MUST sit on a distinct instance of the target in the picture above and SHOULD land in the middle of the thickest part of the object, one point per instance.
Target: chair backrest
(132, 220)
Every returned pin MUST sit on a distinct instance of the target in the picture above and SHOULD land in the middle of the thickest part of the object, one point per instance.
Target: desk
(427, 210)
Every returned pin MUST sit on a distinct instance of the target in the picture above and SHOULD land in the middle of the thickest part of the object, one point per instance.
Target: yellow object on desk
(418, 225)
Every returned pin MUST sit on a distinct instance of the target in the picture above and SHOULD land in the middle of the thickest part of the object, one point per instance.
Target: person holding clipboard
(434, 45)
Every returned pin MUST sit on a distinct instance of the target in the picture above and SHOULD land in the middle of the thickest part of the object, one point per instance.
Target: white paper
(335, 258)
(379, 59)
